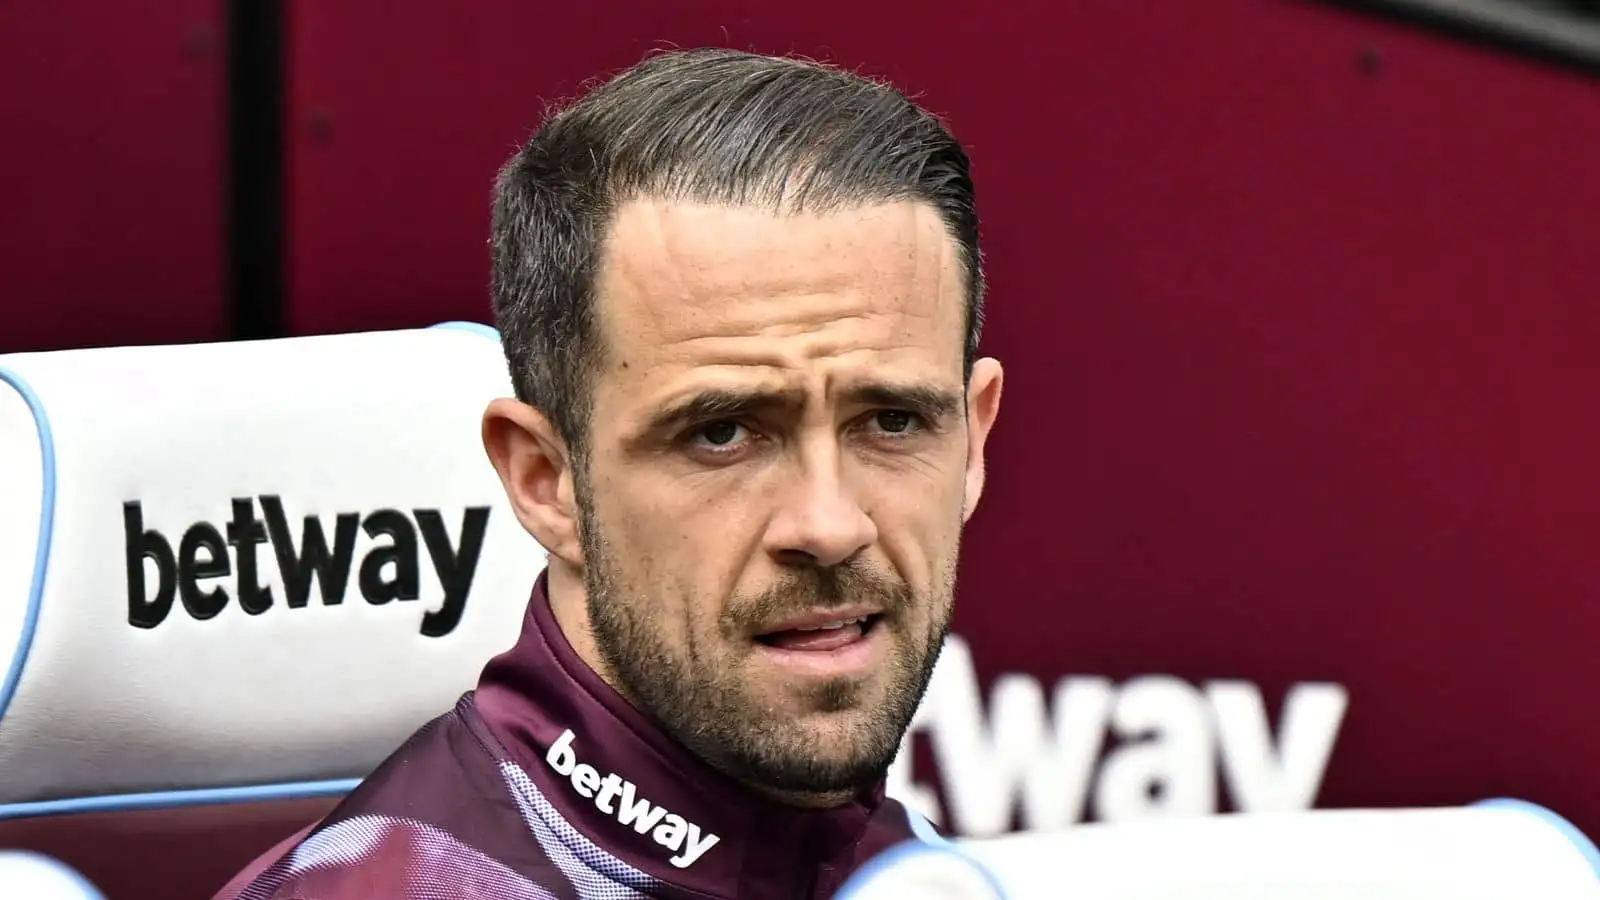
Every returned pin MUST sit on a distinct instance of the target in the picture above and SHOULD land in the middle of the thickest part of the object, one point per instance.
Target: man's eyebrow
(930, 401)
(720, 403)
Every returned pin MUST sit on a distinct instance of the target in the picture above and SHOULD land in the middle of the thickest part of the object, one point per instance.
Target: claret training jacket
(544, 783)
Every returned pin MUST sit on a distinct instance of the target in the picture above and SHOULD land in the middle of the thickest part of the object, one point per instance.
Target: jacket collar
(569, 731)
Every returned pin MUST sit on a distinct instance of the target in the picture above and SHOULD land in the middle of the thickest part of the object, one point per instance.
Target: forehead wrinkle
(803, 385)
(665, 291)
(755, 340)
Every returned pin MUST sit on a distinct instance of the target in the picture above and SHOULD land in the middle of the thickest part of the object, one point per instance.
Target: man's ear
(983, 407)
(536, 470)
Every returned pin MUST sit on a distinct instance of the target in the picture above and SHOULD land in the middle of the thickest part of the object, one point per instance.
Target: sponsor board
(1086, 747)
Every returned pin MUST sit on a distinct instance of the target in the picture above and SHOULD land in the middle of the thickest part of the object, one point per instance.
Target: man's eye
(895, 421)
(719, 434)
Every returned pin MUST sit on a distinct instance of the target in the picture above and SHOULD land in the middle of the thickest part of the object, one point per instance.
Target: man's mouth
(820, 634)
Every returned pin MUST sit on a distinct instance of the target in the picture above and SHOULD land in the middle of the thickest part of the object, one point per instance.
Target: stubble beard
(701, 701)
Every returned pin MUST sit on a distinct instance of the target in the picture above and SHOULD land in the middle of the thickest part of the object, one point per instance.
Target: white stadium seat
(242, 573)
(31, 876)
(1504, 850)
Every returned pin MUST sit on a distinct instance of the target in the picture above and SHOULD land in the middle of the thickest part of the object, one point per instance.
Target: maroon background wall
(112, 148)
(1299, 311)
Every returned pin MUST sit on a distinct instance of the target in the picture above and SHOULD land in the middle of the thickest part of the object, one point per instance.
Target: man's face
(780, 459)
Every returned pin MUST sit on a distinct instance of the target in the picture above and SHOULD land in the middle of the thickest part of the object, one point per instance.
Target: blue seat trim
(474, 327)
(299, 790)
(41, 552)
(899, 853)
(924, 830)
(1586, 847)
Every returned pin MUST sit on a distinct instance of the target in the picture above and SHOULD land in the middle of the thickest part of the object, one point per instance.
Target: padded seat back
(38, 877)
(1505, 850)
(233, 578)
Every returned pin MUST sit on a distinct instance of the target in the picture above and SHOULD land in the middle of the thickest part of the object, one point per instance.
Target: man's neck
(658, 808)
(569, 601)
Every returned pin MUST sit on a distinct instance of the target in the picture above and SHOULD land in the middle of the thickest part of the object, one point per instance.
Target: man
(740, 298)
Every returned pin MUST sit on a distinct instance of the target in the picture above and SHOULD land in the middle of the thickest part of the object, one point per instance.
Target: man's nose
(821, 521)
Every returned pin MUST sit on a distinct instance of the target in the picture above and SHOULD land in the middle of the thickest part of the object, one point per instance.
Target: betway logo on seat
(671, 830)
(388, 571)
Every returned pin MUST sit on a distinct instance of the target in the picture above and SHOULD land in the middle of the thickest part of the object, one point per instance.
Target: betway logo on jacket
(668, 829)
(191, 568)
